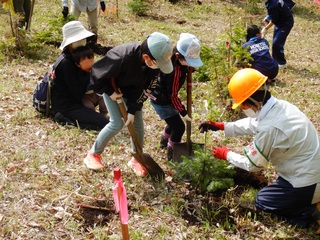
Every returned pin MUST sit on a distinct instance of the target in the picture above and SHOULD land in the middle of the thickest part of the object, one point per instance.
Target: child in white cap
(135, 68)
(71, 83)
(165, 99)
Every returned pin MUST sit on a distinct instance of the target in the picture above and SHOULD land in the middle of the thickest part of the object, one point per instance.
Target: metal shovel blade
(183, 149)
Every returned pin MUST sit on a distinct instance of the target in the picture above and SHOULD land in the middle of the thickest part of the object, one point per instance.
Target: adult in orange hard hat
(284, 137)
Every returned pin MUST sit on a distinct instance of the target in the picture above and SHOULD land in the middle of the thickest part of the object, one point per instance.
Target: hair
(260, 96)
(81, 53)
(176, 58)
(252, 31)
(145, 49)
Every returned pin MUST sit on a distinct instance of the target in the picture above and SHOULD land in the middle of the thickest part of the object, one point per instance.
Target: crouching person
(284, 137)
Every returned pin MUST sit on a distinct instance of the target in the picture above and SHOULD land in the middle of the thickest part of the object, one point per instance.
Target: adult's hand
(213, 126)
(102, 6)
(220, 152)
(65, 12)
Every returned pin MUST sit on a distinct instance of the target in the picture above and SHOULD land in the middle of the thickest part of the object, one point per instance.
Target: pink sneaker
(93, 161)
(138, 168)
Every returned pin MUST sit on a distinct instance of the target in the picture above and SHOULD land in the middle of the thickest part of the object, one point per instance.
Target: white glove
(186, 118)
(114, 96)
(264, 32)
(130, 119)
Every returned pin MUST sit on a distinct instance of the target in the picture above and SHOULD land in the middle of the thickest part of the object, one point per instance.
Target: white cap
(189, 46)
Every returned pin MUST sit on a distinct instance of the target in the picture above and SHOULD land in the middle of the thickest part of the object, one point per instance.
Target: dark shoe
(163, 142)
(169, 153)
(61, 119)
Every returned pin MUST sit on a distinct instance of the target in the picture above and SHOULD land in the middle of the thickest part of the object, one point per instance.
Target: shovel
(153, 169)
(186, 149)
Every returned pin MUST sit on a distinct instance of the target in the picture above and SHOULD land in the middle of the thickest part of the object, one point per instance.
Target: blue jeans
(115, 125)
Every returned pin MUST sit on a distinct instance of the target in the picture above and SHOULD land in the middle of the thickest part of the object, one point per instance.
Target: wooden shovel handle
(124, 114)
(189, 109)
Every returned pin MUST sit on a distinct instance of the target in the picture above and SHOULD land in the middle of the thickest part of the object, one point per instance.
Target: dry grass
(43, 179)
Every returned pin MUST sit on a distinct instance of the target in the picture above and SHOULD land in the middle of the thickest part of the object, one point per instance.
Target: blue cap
(161, 49)
(189, 46)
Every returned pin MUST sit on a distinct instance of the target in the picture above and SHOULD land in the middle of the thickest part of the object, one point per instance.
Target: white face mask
(79, 43)
(153, 66)
(250, 113)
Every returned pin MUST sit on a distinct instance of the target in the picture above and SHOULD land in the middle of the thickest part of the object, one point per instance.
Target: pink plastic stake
(317, 1)
(121, 203)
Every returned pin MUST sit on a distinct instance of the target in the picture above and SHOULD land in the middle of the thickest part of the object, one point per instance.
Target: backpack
(42, 94)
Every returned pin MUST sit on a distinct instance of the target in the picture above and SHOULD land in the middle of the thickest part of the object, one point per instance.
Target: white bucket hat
(189, 46)
(73, 31)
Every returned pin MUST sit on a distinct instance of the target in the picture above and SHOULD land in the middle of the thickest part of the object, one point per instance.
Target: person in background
(134, 69)
(291, 4)
(84, 59)
(71, 83)
(285, 138)
(260, 52)
(164, 98)
(91, 8)
(283, 21)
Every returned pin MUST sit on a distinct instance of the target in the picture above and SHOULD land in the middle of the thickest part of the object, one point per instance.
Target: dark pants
(85, 118)
(23, 9)
(279, 39)
(282, 199)
(175, 128)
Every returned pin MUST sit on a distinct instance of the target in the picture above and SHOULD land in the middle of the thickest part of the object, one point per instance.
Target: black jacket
(133, 77)
(169, 85)
(69, 86)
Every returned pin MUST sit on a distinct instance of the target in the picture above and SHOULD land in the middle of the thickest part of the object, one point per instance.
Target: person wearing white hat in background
(91, 8)
(165, 99)
(71, 83)
(134, 67)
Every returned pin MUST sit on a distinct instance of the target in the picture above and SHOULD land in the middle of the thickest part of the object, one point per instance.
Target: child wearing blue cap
(135, 68)
(165, 99)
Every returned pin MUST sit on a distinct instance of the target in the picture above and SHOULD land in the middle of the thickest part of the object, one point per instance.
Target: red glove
(220, 152)
(213, 126)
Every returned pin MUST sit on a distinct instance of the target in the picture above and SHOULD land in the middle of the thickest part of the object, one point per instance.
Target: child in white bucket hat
(71, 83)
(165, 99)
(135, 68)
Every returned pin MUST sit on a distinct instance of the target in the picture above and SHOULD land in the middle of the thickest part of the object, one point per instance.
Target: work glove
(213, 126)
(264, 32)
(102, 6)
(186, 118)
(114, 96)
(220, 152)
(65, 12)
(130, 119)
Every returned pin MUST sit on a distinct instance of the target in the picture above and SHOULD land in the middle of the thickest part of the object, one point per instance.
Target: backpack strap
(60, 58)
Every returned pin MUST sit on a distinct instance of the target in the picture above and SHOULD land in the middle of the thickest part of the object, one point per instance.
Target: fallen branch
(95, 208)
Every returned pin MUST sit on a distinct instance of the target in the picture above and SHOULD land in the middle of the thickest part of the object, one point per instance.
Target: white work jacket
(285, 137)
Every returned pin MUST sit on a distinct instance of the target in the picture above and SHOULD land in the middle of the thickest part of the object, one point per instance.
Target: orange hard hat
(244, 83)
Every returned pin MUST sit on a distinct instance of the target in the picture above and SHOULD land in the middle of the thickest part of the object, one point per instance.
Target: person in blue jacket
(260, 52)
(283, 21)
